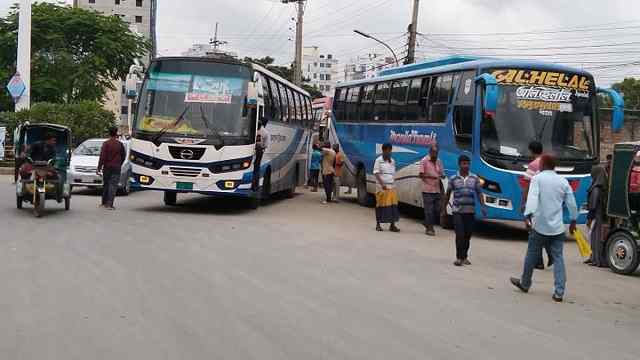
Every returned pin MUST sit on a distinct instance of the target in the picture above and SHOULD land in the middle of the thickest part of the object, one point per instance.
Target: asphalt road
(293, 280)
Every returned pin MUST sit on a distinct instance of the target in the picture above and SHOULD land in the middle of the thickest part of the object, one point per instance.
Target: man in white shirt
(544, 216)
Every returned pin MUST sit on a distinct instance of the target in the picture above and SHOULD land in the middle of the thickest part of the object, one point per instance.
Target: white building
(366, 67)
(319, 70)
(138, 14)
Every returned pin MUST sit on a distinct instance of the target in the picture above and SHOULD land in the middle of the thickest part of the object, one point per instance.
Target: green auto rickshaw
(43, 154)
(623, 208)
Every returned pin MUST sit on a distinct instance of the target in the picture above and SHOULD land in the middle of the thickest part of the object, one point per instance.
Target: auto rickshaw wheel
(19, 201)
(622, 253)
(67, 203)
(38, 207)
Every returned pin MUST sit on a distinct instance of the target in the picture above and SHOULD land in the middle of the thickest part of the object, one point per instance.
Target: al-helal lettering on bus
(542, 78)
(413, 137)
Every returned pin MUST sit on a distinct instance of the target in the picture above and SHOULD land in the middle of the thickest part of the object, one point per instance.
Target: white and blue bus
(196, 124)
(487, 109)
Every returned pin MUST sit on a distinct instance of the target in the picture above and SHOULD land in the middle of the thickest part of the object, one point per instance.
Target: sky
(602, 37)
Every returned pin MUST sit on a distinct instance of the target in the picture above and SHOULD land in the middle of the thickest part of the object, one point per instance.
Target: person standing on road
(339, 163)
(263, 139)
(314, 168)
(384, 169)
(112, 156)
(548, 194)
(465, 188)
(431, 173)
(533, 169)
(597, 217)
(328, 171)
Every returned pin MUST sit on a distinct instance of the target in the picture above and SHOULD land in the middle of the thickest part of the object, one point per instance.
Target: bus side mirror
(490, 83)
(617, 118)
(252, 93)
(131, 86)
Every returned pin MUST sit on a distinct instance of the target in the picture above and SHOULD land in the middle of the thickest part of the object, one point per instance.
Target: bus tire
(254, 203)
(170, 198)
(622, 253)
(364, 198)
(290, 192)
(19, 201)
(266, 186)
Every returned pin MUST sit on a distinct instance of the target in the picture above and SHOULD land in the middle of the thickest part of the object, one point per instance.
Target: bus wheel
(266, 186)
(364, 198)
(294, 183)
(170, 198)
(254, 203)
(622, 253)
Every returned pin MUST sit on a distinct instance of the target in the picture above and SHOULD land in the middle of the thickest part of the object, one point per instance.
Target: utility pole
(297, 68)
(24, 53)
(215, 42)
(413, 34)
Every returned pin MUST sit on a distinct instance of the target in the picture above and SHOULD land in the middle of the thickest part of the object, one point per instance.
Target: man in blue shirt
(544, 215)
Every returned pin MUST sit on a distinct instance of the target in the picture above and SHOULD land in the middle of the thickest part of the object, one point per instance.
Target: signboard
(16, 87)
(3, 136)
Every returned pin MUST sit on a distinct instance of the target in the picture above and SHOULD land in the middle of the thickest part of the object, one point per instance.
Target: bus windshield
(196, 99)
(562, 119)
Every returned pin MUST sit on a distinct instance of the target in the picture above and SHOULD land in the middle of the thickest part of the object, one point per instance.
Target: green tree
(86, 119)
(76, 53)
(630, 87)
(285, 72)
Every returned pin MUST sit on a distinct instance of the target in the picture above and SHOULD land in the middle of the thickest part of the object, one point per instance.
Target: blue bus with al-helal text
(488, 109)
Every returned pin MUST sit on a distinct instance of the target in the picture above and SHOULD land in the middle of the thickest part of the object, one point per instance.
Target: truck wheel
(364, 198)
(622, 253)
(170, 198)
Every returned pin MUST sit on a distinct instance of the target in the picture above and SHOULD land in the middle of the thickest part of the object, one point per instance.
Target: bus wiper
(174, 124)
(541, 132)
(212, 130)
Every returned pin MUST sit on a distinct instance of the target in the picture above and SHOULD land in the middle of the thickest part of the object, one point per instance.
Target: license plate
(184, 186)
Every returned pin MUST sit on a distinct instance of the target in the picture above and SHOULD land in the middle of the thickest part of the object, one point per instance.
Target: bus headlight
(145, 161)
(229, 166)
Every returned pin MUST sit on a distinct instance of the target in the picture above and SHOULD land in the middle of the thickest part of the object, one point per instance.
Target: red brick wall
(630, 132)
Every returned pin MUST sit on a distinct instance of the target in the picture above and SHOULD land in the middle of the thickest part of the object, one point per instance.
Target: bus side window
(310, 114)
(338, 104)
(268, 102)
(412, 110)
(284, 100)
(382, 102)
(344, 108)
(398, 102)
(366, 108)
(353, 103)
(463, 105)
(275, 95)
(425, 94)
(439, 100)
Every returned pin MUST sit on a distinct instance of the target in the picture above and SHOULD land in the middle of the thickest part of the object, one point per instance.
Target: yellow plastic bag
(583, 246)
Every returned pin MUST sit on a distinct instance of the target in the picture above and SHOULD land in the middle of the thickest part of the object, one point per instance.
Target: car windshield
(559, 117)
(196, 99)
(89, 148)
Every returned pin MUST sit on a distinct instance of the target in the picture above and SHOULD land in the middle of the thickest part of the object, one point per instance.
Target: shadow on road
(210, 205)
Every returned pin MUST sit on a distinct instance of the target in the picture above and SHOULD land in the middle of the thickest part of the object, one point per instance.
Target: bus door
(462, 109)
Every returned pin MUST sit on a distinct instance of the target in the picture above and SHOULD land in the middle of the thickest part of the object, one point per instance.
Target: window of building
(321, 76)
(315, 75)
(124, 110)
(327, 77)
(382, 102)
(321, 56)
(138, 3)
(92, 1)
(327, 87)
(315, 64)
(138, 19)
(328, 65)
(117, 2)
(321, 65)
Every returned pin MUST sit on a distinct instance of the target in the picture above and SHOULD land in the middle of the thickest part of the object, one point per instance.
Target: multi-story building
(139, 15)
(319, 70)
(365, 67)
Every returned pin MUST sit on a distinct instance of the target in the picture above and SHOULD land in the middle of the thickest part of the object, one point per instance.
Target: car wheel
(622, 253)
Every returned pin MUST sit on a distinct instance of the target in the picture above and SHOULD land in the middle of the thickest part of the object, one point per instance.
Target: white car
(84, 163)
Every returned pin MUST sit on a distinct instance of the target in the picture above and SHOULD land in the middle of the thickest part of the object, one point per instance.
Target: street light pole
(24, 53)
(380, 41)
